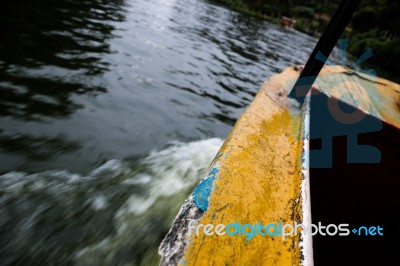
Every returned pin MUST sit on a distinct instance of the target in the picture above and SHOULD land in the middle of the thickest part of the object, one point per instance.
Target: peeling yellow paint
(260, 176)
(259, 181)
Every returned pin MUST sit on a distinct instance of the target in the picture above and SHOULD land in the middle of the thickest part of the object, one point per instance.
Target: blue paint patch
(201, 193)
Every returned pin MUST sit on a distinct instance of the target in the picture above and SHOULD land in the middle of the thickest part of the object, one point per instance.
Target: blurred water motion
(89, 89)
(116, 214)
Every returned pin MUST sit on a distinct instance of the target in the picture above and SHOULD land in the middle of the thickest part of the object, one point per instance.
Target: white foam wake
(122, 207)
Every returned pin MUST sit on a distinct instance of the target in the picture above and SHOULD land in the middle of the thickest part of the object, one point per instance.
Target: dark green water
(83, 82)
(89, 89)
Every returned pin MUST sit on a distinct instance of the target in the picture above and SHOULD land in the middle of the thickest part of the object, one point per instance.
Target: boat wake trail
(115, 215)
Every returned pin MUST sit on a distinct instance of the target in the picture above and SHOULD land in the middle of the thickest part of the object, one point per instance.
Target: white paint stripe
(307, 246)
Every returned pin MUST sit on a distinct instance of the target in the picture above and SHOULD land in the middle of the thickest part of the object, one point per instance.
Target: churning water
(89, 89)
(115, 215)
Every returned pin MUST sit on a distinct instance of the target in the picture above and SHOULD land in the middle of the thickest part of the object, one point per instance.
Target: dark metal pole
(325, 45)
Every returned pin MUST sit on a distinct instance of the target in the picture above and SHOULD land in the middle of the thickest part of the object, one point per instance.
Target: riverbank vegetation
(375, 25)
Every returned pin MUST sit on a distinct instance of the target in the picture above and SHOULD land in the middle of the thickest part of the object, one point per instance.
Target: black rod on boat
(325, 45)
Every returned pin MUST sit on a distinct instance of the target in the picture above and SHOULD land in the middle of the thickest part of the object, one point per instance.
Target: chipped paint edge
(202, 192)
(175, 242)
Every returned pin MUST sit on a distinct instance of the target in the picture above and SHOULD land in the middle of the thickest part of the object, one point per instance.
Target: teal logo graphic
(280, 229)
(354, 114)
(368, 231)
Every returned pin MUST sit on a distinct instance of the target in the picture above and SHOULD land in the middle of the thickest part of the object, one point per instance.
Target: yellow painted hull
(261, 175)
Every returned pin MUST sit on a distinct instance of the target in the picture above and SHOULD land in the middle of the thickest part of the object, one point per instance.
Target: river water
(111, 111)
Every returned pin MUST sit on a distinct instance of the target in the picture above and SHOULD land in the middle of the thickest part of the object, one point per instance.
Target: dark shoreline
(386, 50)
